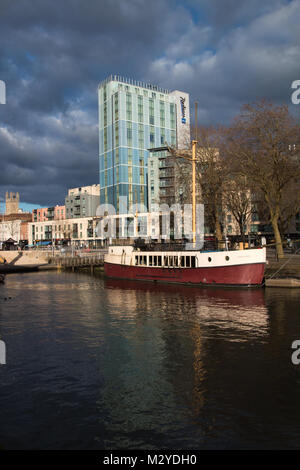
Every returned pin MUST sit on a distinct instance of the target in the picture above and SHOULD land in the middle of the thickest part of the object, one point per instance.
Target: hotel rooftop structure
(133, 118)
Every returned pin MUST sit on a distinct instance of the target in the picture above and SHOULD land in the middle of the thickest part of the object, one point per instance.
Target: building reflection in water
(189, 330)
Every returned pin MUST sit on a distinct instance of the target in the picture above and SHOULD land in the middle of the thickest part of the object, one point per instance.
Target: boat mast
(194, 147)
(194, 143)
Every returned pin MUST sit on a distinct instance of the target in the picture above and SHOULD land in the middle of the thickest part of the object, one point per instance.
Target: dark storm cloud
(52, 57)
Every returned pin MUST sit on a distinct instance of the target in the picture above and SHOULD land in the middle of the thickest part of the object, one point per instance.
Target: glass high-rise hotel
(134, 117)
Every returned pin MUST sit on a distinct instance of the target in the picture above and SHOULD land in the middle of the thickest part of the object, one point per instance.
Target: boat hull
(236, 275)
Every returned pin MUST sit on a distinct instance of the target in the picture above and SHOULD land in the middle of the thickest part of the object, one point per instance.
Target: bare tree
(237, 199)
(262, 145)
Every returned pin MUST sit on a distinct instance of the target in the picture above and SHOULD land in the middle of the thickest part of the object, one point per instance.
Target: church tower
(11, 203)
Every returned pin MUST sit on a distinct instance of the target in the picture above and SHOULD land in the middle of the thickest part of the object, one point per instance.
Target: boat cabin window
(168, 261)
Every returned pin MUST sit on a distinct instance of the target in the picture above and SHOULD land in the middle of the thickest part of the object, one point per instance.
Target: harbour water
(98, 364)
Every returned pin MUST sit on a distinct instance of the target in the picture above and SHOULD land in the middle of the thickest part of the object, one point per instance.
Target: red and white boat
(227, 268)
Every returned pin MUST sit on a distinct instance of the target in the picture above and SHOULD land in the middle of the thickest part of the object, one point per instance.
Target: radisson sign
(183, 109)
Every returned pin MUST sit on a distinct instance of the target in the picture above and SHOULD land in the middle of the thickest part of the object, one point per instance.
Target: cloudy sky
(53, 55)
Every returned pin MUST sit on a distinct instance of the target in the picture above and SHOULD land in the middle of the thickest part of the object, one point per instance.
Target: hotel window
(118, 198)
(116, 107)
(140, 109)
(172, 116)
(105, 114)
(129, 133)
(105, 139)
(151, 111)
(152, 136)
(162, 114)
(130, 174)
(142, 195)
(117, 134)
(130, 195)
(128, 107)
(141, 136)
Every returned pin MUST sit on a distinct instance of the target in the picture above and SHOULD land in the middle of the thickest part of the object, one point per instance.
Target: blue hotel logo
(183, 108)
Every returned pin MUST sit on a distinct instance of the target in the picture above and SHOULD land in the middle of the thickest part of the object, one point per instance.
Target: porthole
(209, 259)
(227, 258)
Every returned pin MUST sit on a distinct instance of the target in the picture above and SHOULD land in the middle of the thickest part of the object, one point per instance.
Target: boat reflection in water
(225, 307)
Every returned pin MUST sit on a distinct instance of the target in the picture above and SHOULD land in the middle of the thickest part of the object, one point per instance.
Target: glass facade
(133, 117)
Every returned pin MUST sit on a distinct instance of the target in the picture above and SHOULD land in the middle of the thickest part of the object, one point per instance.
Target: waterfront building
(49, 213)
(82, 202)
(79, 231)
(133, 118)
(14, 229)
(162, 181)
